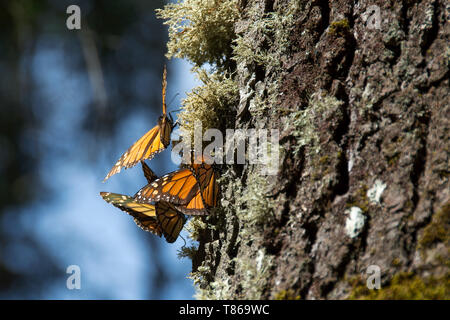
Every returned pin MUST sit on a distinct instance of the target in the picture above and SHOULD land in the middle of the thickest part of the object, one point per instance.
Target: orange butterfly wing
(160, 219)
(177, 187)
(170, 220)
(180, 188)
(207, 180)
(144, 214)
(150, 144)
(195, 206)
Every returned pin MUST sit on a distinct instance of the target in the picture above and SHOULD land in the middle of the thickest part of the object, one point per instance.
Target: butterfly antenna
(164, 85)
(173, 98)
(184, 246)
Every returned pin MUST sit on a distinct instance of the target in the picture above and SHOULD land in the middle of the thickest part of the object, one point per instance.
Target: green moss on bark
(438, 230)
(287, 295)
(405, 286)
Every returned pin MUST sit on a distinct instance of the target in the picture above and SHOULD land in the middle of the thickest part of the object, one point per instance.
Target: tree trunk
(360, 93)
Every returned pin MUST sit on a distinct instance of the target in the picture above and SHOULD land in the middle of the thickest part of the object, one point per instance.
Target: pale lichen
(271, 27)
(255, 208)
(212, 104)
(255, 274)
(194, 227)
(200, 30)
(305, 121)
(355, 222)
(374, 193)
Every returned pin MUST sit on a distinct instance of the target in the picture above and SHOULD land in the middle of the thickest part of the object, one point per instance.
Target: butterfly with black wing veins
(151, 143)
(191, 190)
(160, 218)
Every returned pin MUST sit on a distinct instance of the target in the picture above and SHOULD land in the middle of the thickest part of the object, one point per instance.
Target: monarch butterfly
(151, 143)
(191, 190)
(161, 218)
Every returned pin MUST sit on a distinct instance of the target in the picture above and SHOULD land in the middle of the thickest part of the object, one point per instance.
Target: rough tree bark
(363, 110)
